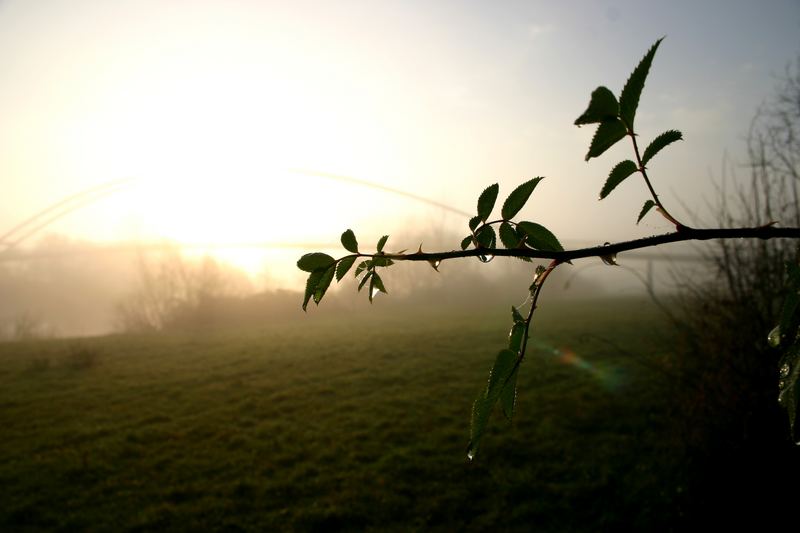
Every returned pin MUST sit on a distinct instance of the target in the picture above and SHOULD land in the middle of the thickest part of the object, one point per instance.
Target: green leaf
(315, 261)
(508, 236)
(629, 98)
(516, 336)
(375, 285)
(789, 387)
(516, 200)
(311, 285)
(344, 265)
(381, 261)
(516, 315)
(648, 205)
(539, 237)
(662, 141)
(466, 241)
(486, 237)
(474, 222)
(618, 174)
(349, 241)
(603, 106)
(364, 280)
(362, 266)
(486, 201)
(382, 242)
(508, 396)
(606, 136)
(482, 407)
(324, 283)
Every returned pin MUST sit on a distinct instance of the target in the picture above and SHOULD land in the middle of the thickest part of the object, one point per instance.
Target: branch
(685, 234)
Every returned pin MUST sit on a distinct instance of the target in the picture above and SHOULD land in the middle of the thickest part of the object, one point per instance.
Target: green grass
(355, 422)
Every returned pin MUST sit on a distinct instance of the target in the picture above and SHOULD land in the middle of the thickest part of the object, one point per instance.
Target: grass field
(355, 422)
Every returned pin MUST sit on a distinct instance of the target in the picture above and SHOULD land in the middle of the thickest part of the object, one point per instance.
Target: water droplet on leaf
(375, 291)
(782, 384)
(470, 455)
(774, 337)
(785, 370)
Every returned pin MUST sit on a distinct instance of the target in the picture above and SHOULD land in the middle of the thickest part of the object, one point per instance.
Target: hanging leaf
(364, 280)
(618, 174)
(539, 237)
(508, 396)
(375, 285)
(606, 136)
(349, 241)
(508, 236)
(516, 337)
(486, 201)
(516, 315)
(486, 237)
(344, 266)
(789, 388)
(315, 261)
(311, 285)
(362, 266)
(629, 98)
(324, 283)
(603, 106)
(518, 197)
(660, 142)
(466, 241)
(503, 367)
(648, 205)
(382, 242)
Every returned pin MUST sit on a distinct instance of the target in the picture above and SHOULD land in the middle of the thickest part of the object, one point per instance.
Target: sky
(222, 122)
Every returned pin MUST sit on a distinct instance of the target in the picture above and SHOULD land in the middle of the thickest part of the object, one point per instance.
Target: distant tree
(174, 292)
(529, 240)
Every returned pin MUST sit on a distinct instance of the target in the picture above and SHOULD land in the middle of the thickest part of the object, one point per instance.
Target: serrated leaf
(617, 175)
(629, 98)
(362, 266)
(466, 241)
(518, 197)
(501, 371)
(311, 285)
(314, 261)
(349, 241)
(324, 283)
(603, 106)
(648, 205)
(660, 142)
(343, 266)
(606, 136)
(381, 261)
(364, 280)
(486, 237)
(486, 201)
(382, 242)
(516, 315)
(474, 222)
(508, 236)
(375, 285)
(539, 237)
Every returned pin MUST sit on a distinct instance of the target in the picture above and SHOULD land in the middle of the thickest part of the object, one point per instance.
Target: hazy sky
(211, 107)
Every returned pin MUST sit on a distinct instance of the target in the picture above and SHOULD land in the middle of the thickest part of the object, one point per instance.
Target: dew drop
(485, 258)
(375, 291)
(782, 384)
(470, 455)
(774, 337)
(785, 369)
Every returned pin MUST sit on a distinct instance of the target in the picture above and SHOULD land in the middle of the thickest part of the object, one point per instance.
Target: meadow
(344, 422)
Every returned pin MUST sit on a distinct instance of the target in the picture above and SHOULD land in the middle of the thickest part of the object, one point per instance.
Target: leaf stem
(679, 226)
